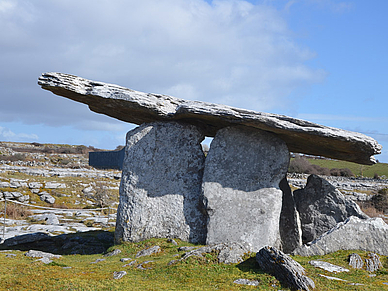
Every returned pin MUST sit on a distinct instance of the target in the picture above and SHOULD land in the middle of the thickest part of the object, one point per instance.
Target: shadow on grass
(250, 265)
(84, 243)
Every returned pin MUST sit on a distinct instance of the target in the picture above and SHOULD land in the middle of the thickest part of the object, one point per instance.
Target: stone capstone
(136, 107)
(321, 206)
(241, 186)
(160, 192)
(352, 234)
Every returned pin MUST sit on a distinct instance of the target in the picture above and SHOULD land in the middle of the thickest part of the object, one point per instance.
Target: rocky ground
(51, 189)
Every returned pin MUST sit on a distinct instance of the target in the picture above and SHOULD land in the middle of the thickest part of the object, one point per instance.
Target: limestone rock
(47, 198)
(241, 186)
(119, 275)
(148, 252)
(327, 266)
(373, 262)
(321, 206)
(352, 234)
(246, 282)
(289, 226)
(355, 261)
(40, 254)
(285, 269)
(160, 192)
(136, 107)
(227, 253)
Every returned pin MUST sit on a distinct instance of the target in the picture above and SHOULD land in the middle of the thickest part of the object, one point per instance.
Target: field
(381, 169)
(76, 272)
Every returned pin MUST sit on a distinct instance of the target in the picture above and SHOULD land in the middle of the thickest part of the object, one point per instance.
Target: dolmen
(237, 193)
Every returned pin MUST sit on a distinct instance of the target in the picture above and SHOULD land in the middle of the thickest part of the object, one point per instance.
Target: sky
(325, 61)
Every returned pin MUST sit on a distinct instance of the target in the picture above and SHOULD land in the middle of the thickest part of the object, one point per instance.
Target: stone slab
(241, 187)
(137, 107)
(160, 191)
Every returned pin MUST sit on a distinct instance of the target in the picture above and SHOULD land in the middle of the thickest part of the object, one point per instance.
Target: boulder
(240, 186)
(355, 261)
(47, 198)
(285, 269)
(160, 192)
(373, 262)
(289, 226)
(136, 107)
(352, 234)
(321, 206)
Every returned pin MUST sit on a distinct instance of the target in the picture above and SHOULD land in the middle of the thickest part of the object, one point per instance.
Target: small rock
(97, 261)
(185, 249)
(113, 253)
(247, 282)
(47, 198)
(40, 254)
(170, 240)
(355, 261)
(172, 262)
(148, 252)
(125, 259)
(10, 256)
(373, 262)
(45, 260)
(331, 278)
(328, 267)
(284, 268)
(119, 275)
(130, 264)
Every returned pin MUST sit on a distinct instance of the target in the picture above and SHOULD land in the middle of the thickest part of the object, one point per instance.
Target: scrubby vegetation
(302, 165)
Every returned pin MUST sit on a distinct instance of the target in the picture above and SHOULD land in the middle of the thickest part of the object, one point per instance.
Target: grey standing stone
(355, 261)
(321, 206)
(160, 191)
(289, 226)
(241, 186)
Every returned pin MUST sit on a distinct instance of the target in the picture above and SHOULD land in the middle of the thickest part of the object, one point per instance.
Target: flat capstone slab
(132, 106)
(160, 190)
(241, 187)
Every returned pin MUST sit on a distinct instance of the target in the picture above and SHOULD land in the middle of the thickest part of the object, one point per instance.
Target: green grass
(357, 169)
(22, 273)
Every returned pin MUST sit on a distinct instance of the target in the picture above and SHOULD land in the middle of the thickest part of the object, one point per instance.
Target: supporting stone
(241, 187)
(290, 226)
(161, 184)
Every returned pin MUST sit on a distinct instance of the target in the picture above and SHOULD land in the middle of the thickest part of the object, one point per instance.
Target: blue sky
(320, 60)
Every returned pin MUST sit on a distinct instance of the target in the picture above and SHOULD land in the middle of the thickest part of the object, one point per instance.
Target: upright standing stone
(290, 226)
(241, 186)
(161, 184)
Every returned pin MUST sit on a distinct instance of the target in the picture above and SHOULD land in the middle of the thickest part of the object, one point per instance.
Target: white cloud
(8, 135)
(229, 51)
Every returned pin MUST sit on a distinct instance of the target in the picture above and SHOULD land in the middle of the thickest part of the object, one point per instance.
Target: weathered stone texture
(289, 226)
(352, 234)
(285, 269)
(137, 107)
(161, 184)
(321, 206)
(241, 186)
